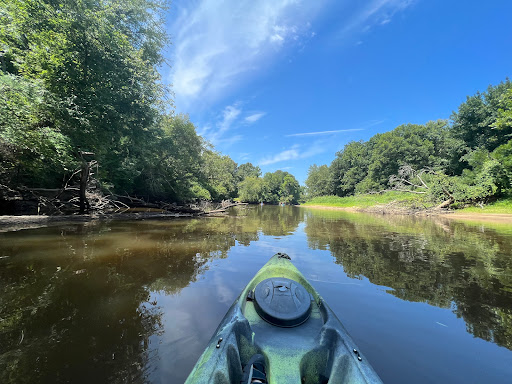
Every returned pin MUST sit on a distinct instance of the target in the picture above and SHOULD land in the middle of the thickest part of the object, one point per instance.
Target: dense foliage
(467, 159)
(273, 188)
(83, 76)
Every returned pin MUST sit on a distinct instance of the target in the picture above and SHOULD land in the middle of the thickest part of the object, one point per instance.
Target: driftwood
(70, 200)
(225, 206)
(445, 204)
(134, 202)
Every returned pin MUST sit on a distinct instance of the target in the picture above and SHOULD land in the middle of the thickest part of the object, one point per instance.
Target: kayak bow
(280, 316)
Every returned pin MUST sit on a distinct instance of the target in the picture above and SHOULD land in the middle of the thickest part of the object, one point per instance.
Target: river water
(426, 300)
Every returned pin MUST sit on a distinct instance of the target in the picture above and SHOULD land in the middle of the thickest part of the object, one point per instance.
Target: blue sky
(287, 83)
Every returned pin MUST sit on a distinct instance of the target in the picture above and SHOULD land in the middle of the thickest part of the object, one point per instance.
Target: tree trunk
(84, 177)
(445, 204)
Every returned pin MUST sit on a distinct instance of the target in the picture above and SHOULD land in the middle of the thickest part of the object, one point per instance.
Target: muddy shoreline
(16, 223)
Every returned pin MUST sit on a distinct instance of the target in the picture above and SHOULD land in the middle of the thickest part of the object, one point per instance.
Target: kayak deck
(317, 351)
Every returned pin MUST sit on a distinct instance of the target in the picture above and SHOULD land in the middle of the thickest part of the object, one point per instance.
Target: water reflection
(92, 301)
(75, 299)
(449, 265)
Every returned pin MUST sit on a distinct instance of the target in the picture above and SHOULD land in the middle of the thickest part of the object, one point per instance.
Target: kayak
(281, 331)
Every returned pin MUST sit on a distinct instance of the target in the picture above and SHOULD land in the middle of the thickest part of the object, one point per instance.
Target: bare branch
(408, 190)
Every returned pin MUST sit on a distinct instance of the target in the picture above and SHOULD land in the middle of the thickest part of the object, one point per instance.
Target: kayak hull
(317, 351)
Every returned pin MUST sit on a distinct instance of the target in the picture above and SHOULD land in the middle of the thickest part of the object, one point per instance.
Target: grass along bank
(397, 200)
(500, 206)
(401, 202)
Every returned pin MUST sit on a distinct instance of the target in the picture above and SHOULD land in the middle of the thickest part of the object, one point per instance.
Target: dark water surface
(426, 300)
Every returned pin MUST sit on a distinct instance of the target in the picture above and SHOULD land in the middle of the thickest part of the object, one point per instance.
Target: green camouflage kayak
(281, 331)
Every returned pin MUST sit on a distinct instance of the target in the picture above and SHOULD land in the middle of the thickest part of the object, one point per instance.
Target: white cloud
(277, 38)
(364, 126)
(289, 154)
(254, 117)
(375, 12)
(227, 119)
(323, 132)
(294, 153)
(218, 43)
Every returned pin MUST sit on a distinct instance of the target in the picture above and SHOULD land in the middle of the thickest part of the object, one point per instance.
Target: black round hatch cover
(282, 302)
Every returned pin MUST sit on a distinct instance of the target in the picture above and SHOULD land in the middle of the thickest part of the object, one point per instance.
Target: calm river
(427, 300)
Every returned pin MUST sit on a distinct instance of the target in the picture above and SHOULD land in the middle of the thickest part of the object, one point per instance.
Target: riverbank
(396, 203)
(452, 215)
(16, 223)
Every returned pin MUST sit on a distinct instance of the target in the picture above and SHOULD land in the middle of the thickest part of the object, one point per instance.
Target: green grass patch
(500, 206)
(364, 201)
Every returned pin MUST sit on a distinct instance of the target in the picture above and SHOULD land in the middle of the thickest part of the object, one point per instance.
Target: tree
(219, 175)
(366, 166)
(247, 170)
(475, 185)
(99, 62)
(172, 162)
(290, 190)
(33, 151)
(476, 120)
(503, 154)
(280, 186)
(318, 182)
(504, 119)
(251, 190)
(413, 144)
(349, 167)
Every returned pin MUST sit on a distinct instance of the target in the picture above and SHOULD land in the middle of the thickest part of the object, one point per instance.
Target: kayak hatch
(280, 316)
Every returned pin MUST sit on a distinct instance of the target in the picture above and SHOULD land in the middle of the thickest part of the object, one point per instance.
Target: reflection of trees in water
(274, 220)
(69, 324)
(74, 300)
(425, 261)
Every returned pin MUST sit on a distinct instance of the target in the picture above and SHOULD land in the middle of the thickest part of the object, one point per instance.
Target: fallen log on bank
(225, 206)
(66, 201)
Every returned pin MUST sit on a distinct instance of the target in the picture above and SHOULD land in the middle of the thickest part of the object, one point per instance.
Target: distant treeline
(467, 159)
(81, 76)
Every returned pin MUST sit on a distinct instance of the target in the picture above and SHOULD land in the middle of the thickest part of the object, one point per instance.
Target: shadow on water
(94, 302)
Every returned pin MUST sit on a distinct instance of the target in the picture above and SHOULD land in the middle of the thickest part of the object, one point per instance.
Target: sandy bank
(452, 215)
(481, 217)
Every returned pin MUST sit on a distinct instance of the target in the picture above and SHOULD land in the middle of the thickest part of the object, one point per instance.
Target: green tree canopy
(219, 173)
(318, 182)
(476, 119)
(247, 170)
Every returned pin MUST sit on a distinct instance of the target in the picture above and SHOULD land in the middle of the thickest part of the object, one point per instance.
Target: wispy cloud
(323, 132)
(295, 153)
(286, 155)
(216, 134)
(254, 117)
(219, 45)
(243, 156)
(375, 12)
(218, 42)
(319, 133)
